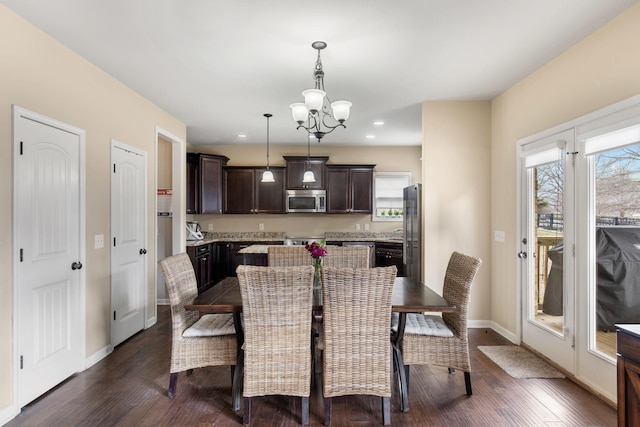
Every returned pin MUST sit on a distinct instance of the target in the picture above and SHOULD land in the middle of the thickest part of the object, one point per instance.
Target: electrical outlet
(209, 227)
(261, 227)
(99, 241)
(366, 227)
(357, 227)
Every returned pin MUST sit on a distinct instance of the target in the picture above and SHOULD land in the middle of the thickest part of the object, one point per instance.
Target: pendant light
(308, 175)
(267, 176)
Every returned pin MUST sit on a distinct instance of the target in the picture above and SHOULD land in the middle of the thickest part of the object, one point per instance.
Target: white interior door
(546, 247)
(128, 244)
(49, 275)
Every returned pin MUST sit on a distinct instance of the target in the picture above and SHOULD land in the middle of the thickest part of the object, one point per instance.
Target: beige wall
(400, 159)
(41, 75)
(600, 70)
(456, 151)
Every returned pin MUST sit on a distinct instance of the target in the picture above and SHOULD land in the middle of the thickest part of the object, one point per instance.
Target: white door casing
(49, 235)
(128, 241)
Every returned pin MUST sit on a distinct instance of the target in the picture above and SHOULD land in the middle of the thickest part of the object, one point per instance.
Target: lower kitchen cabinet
(388, 254)
(202, 258)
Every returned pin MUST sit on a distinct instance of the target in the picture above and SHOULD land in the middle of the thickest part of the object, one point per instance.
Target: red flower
(316, 249)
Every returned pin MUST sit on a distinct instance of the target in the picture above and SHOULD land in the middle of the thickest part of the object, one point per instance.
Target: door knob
(143, 251)
(76, 265)
(522, 255)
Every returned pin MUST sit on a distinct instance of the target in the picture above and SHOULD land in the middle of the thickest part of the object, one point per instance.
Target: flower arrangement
(317, 251)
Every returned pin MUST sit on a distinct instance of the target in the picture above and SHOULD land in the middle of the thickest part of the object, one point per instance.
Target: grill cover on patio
(618, 276)
(618, 269)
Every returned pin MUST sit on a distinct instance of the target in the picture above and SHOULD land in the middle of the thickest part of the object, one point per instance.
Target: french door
(579, 233)
(546, 247)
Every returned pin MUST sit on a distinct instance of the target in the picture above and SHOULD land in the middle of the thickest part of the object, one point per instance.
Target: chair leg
(467, 382)
(305, 411)
(189, 372)
(327, 411)
(386, 411)
(451, 370)
(246, 409)
(173, 382)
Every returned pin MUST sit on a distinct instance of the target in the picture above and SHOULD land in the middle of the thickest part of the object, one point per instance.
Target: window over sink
(387, 195)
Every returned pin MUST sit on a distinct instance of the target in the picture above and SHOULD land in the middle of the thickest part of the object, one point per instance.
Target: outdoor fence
(553, 221)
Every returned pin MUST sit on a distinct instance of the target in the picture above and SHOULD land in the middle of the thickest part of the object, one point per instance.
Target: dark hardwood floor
(129, 388)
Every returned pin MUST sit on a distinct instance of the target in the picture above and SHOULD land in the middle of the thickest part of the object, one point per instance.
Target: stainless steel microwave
(306, 201)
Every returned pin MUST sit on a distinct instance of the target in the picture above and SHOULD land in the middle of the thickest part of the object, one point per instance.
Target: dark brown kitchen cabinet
(244, 191)
(628, 349)
(202, 258)
(349, 188)
(388, 254)
(204, 183)
(298, 165)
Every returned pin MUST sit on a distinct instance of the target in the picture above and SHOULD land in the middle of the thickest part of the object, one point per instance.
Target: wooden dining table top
(409, 296)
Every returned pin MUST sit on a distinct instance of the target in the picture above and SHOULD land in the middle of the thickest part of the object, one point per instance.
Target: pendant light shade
(267, 176)
(309, 177)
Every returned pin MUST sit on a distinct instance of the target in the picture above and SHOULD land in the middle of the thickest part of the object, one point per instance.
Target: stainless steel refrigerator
(412, 227)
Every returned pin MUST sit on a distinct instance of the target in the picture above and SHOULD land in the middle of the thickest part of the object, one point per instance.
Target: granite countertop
(278, 236)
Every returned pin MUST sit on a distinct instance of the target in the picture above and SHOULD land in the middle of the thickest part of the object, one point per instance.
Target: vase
(317, 280)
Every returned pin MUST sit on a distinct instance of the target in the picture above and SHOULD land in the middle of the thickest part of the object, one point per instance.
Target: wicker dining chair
(443, 341)
(288, 256)
(347, 256)
(357, 346)
(276, 305)
(196, 342)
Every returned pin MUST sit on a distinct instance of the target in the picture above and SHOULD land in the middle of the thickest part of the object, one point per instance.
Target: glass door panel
(546, 268)
(616, 228)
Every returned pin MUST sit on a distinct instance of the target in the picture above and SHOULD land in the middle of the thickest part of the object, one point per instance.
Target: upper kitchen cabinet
(245, 193)
(349, 188)
(204, 183)
(298, 165)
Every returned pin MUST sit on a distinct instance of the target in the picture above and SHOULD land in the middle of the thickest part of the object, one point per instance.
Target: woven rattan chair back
(451, 352)
(288, 256)
(458, 278)
(188, 353)
(277, 305)
(357, 321)
(347, 256)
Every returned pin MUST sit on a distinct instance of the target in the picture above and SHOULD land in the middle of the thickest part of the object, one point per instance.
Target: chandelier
(313, 113)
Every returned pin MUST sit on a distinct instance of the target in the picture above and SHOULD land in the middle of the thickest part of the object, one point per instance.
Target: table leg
(398, 363)
(236, 388)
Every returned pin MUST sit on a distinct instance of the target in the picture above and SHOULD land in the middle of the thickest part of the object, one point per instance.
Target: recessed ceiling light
(370, 136)
(378, 123)
(241, 135)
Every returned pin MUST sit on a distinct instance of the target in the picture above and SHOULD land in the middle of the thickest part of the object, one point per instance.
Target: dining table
(409, 296)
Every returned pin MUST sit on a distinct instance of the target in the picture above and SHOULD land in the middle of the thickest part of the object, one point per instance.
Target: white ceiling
(218, 66)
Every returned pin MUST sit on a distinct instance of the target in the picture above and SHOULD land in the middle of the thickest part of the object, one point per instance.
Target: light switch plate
(357, 227)
(498, 235)
(261, 227)
(366, 227)
(99, 241)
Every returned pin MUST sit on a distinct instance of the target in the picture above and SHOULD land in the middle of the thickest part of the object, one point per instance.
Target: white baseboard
(98, 356)
(495, 327)
(150, 322)
(164, 302)
(7, 414)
